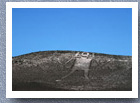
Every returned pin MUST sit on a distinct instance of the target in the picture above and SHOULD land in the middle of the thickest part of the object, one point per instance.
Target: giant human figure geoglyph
(81, 62)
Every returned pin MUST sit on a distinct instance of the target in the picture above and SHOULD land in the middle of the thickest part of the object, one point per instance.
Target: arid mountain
(42, 71)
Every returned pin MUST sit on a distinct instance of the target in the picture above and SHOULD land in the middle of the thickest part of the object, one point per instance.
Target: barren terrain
(39, 71)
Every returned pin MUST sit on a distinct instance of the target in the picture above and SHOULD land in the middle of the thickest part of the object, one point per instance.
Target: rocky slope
(40, 71)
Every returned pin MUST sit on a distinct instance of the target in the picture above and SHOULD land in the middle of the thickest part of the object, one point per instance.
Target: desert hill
(39, 71)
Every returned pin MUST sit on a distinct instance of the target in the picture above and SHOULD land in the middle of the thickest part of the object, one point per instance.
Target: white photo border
(71, 94)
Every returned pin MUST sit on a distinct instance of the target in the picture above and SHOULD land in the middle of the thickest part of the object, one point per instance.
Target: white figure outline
(86, 58)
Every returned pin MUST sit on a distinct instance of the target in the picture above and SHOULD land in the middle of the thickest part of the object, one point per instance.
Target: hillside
(40, 71)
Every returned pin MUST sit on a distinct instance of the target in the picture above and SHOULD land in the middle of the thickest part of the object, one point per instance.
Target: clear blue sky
(101, 30)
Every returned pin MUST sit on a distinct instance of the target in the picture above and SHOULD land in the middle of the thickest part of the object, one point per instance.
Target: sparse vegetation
(40, 70)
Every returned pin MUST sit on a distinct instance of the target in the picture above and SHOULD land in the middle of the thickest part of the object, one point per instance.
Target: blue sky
(101, 30)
